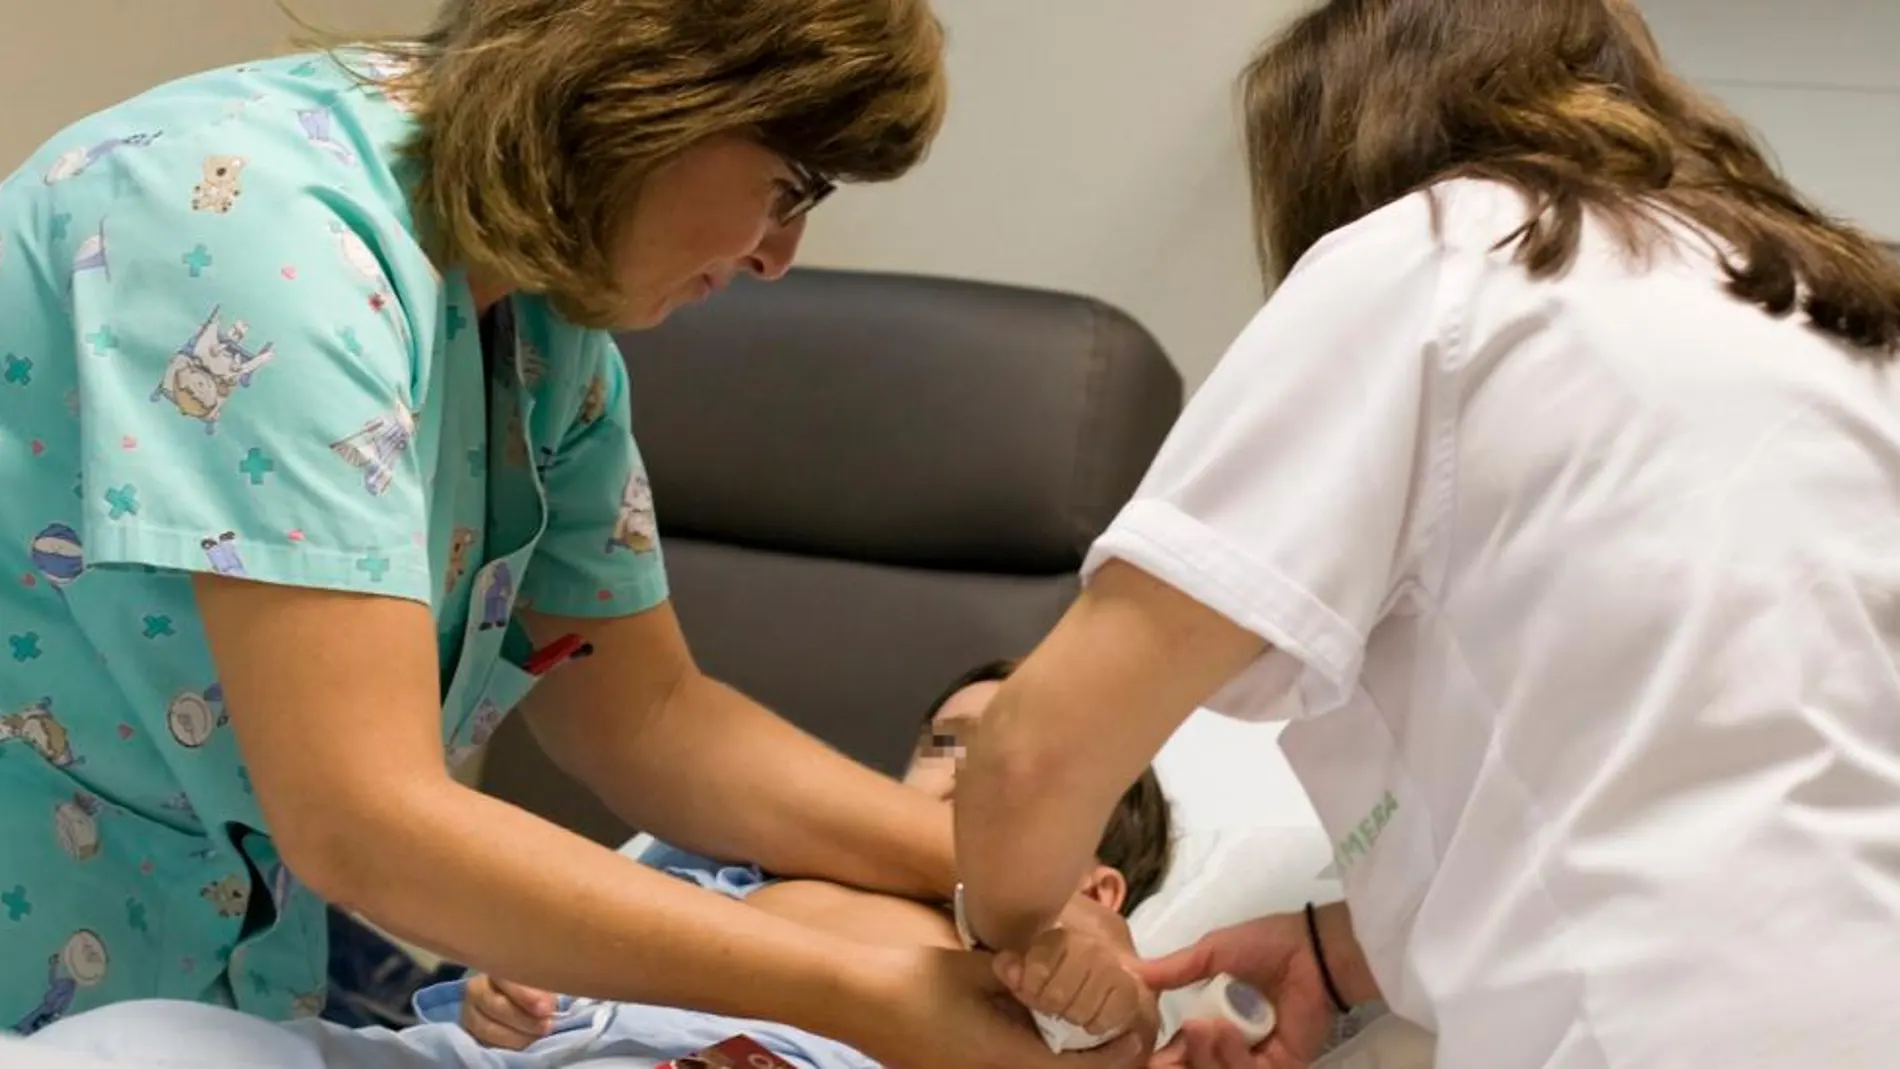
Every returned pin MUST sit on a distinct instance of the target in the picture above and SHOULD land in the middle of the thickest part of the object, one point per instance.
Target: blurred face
(933, 765)
(933, 770)
(725, 207)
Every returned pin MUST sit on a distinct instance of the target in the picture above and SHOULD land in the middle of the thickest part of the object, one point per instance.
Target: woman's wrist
(1341, 956)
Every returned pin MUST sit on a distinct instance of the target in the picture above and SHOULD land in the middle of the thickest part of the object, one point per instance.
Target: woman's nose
(775, 253)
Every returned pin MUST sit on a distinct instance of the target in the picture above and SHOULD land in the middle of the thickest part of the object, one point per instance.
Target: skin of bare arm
(333, 696)
(698, 764)
(1068, 733)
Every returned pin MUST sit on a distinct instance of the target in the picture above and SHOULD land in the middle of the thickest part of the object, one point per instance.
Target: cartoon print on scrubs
(460, 542)
(378, 446)
(495, 592)
(223, 555)
(318, 125)
(91, 254)
(42, 731)
(594, 403)
(533, 366)
(218, 191)
(78, 964)
(384, 68)
(205, 370)
(382, 299)
(76, 826)
(635, 527)
(192, 718)
(481, 727)
(57, 553)
(74, 162)
(231, 895)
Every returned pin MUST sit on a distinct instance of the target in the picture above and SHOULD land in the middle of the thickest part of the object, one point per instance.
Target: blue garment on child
(155, 1032)
(586, 1035)
(729, 879)
(625, 1029)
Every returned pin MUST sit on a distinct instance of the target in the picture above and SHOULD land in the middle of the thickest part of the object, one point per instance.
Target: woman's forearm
(554, 911)
(717, 773)
(1028, 815)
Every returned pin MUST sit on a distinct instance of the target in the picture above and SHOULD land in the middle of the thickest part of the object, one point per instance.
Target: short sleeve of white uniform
(1293, 493)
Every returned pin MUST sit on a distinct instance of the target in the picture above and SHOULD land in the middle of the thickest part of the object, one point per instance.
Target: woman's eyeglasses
(806, 191)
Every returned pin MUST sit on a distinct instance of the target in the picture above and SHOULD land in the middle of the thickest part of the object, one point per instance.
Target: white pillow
(1220, 772)
(1247, 841)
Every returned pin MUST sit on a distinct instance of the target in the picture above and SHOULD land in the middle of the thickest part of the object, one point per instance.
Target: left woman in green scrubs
(311, 433)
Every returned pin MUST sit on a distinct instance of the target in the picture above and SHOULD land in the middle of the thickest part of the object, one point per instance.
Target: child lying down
(484, 1023)
(1091, 989)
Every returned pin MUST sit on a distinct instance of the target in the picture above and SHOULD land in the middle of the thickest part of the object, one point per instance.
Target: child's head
(1134, 850)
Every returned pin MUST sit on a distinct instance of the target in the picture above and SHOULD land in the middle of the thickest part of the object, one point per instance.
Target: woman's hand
(507, 1015)
(1276, 956)
(943, 1009)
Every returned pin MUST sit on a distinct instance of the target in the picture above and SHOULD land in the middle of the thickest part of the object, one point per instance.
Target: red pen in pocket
(556, 653)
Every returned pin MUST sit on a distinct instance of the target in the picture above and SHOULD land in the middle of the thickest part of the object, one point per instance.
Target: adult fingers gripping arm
(1067, 734)
(670, 750)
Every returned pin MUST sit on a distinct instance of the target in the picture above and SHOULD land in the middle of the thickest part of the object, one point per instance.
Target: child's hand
(1081, 976)
(506, 1015)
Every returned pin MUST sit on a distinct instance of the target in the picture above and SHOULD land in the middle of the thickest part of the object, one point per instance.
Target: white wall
(1092, 146)
(1818, 79)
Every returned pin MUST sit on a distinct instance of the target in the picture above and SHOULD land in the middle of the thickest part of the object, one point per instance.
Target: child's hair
(1138, 841)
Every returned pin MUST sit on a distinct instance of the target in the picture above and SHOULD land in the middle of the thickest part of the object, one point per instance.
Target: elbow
(1015, 771)
(336, 847)
(329, 858)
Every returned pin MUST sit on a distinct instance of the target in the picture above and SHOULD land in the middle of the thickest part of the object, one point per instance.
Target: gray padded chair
(869, 483)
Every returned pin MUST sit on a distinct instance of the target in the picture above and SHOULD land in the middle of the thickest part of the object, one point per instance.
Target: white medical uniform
(1590, 588)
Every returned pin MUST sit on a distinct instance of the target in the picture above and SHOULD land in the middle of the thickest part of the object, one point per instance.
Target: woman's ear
(1107, 887)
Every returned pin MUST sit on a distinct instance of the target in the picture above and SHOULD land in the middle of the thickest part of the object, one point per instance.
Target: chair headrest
(898, 419)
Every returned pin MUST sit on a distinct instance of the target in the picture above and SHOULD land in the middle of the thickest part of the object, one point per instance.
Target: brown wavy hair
(538, 119)
(1363, 102)
(1138, 840)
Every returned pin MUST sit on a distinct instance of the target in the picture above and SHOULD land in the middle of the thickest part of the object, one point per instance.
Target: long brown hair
(1362, 102)
(538, 119)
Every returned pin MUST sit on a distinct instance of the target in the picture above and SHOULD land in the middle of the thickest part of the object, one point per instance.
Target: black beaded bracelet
(1319, 955)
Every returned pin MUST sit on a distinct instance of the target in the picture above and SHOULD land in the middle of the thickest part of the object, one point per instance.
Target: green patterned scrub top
(222, 349)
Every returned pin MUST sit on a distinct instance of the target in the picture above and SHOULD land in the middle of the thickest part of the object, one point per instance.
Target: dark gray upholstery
(867, 484)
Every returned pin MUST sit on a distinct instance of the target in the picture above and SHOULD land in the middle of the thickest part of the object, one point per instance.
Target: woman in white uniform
(1560, 480)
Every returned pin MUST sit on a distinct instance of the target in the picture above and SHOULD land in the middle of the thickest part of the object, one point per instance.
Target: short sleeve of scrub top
(1290, 495)
(253, 416)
